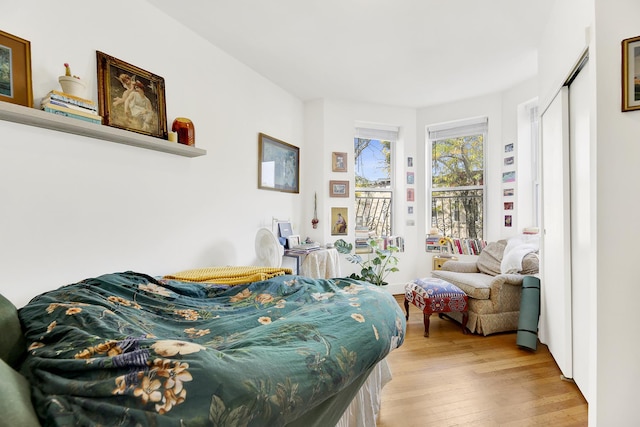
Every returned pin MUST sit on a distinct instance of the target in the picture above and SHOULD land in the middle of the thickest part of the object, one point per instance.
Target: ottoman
(432, 295)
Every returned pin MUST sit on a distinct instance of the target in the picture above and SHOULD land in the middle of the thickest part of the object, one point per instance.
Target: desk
(318, 264)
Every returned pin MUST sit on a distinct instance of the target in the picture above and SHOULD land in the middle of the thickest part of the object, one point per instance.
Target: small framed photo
(339, 162)
(508, 148)
(410, 162)
(131, 98)
(411, 179)
(631, 74)
(410, 210)
(508, 192)
(508, 206)
(508, 221)
(508, 161)
(339, 188)
(293, 241)
(278, 165)
(15, 70)
(411, 195)
(339, 221)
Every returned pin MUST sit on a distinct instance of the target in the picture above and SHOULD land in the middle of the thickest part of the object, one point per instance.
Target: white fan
(268, 249)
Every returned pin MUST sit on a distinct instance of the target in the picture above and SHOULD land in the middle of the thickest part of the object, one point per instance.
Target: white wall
(75, 207)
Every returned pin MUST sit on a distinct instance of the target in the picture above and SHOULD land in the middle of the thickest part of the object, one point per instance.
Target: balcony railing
(373, 210)
(458, 213)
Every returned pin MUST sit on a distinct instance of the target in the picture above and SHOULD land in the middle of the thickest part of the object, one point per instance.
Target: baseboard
(395, 288)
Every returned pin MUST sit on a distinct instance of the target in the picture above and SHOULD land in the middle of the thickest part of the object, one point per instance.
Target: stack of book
(363, 234)
(71, 106)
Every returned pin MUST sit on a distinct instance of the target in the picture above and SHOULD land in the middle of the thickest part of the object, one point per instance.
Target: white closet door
(555, 250)
(582, 236)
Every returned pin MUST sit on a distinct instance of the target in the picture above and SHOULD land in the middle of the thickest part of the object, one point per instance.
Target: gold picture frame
(131, 98)
(338, 188)
(338, 162)
(278, 165)
(339, 221)
(631, 74)
(15, 70)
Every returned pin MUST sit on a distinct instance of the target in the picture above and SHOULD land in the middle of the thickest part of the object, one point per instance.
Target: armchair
(494, 297)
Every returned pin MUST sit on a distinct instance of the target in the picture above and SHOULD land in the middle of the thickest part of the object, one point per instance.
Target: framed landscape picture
(15, 70)
(339, 188)
(131, 98)
(278, 165)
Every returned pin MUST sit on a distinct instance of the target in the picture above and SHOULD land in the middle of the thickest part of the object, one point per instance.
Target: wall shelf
(32, 117)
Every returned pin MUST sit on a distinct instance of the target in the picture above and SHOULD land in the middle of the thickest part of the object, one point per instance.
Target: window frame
(449, 130)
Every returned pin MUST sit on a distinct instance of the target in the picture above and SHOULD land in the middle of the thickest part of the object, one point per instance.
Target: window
(373, 148)
(457, 193)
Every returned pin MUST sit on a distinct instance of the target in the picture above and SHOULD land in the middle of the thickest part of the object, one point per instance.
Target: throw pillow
(15, 405)
(490, 258)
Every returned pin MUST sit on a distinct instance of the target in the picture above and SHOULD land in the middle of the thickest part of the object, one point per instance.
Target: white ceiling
(409, 53)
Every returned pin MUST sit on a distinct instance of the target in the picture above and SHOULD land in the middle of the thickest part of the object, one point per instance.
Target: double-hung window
(373, 149)
(457, 190)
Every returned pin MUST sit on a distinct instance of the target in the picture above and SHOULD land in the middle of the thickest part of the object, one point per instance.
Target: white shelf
(32, 117)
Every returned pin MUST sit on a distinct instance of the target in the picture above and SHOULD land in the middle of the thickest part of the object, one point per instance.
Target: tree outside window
(457, 184)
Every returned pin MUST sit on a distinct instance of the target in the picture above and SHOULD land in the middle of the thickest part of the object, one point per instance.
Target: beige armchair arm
(506, 298)
(460, 266)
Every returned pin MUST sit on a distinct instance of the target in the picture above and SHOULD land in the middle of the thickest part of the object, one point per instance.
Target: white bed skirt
(364, 408)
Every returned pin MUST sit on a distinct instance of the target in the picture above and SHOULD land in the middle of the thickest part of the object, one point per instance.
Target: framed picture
(410, 178)
(508, 192)
(631, 74)
(508, 148)
(15, 70)
(410, 210)
(508, 206)
(509, 176)
(339, 162)
(411, 195)
(339, 221)
(131, 98)
(293, 240)
(410, 162)
(278, 165)
(339, 188)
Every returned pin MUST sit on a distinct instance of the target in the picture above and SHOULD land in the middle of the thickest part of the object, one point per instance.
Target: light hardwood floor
(451, 379)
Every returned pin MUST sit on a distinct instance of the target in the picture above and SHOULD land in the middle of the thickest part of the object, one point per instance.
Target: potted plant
(378, 264)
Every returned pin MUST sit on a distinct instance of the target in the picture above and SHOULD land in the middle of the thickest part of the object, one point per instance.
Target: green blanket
(127, 349)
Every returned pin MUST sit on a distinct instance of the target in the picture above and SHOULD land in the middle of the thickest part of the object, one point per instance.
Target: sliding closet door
(582, 235)
(555, 251)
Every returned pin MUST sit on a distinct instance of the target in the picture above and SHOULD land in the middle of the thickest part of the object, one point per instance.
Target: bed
(131, 349)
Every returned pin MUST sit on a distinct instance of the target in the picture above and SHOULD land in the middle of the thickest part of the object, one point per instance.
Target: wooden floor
(451, 379)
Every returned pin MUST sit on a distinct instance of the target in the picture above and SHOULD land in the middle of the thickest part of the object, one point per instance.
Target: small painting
(410, 178)
(339, 162)
(508, 206)
(509, 176)
(339, 188)
(411, 195)
(131, 98)
(508, 148)
(339, 221)
(507, 192)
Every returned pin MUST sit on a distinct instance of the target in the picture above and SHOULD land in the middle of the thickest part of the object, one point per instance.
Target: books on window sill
(57, 102)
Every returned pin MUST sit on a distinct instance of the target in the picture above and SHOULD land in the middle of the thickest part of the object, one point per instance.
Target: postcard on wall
(339, 220)
(410, 194)
(509, 176)
(507, 220)
(508, 192)
(508, 161)
(508, 148)
(410, 162)
(508, 206)
(410, 178)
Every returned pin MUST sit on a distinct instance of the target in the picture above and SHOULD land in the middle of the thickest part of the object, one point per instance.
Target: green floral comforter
(126, 349)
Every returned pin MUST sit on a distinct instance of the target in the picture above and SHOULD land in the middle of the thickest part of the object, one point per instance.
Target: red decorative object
(185, 130)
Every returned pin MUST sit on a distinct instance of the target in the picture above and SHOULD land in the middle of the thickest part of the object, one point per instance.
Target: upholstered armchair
(494, 297)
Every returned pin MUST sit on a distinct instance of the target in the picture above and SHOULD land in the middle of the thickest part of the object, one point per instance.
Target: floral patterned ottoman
(432, 295)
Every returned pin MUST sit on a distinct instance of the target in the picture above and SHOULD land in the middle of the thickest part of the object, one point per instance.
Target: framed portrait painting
(338, 162)
(131, 98)
(631, 74)
(15, 70)
(278, 165)
(339, 221)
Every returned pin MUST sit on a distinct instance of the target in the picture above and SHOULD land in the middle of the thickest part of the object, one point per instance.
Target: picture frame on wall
(338, 162)
(411, 195)
(631, 74)
(15, 64)
(131, 98)
(278, 165)
(339, 221)
(338, 188)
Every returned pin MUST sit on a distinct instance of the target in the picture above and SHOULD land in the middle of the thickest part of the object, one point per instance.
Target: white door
(582, 236)
(555, 250)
